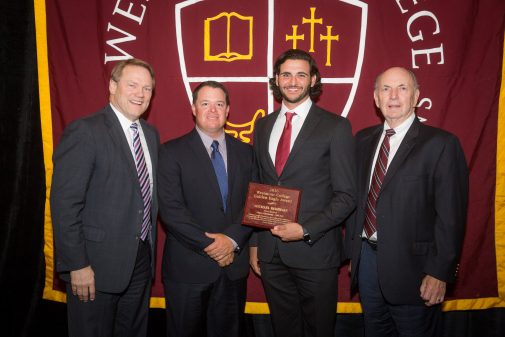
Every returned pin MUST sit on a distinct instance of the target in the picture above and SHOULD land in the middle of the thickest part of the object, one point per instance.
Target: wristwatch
(306, 236)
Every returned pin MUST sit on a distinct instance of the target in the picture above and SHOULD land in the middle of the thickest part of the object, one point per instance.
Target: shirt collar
(404, 126)
(207, 140)
(301, 110)
(125, 122)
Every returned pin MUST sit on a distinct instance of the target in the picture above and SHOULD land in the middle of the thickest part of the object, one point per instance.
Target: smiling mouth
(293, 89)
(136, 102)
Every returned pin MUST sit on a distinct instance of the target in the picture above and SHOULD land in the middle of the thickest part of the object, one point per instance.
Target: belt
(371, 243)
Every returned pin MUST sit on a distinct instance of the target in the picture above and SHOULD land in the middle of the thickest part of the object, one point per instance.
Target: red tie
(379, 172)
(281, 156)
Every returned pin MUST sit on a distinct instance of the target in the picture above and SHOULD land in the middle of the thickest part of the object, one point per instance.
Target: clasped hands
(221, 250)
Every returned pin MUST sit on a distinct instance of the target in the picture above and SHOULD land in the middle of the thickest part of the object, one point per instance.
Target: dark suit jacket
(421, 210)
(321, 164)
(96, 202)
(190, 205)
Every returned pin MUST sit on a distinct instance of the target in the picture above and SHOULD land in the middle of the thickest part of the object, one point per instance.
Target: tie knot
(134, 127)
(215, 146)
(289, 116)
(390, 132)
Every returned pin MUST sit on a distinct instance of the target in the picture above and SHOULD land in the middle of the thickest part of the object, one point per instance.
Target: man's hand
(220, 248)
(82, 282)
(253, 260)
(226, 260)
(432, 290)
(290, 231)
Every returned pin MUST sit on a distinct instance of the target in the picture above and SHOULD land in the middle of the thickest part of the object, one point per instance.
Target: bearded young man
(305, 147)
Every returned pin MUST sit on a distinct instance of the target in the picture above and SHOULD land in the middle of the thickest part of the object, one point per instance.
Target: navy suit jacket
(421, 210)
(191, 204)
(321, 164)
(96, 202)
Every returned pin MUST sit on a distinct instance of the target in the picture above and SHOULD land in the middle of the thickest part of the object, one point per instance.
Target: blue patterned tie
(145, 185)
(220, 170)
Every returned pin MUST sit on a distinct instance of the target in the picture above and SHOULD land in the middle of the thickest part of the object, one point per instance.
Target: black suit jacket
(190, 205)
(96, 202)
(421, 210)
(321, 164)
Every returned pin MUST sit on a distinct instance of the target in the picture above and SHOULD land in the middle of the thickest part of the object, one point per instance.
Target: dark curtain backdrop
(23, 312)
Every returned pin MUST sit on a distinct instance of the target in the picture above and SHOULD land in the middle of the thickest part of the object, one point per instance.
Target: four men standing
(404, 238)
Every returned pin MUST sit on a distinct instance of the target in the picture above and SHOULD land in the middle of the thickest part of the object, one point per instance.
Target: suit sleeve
(73, 167)
(451, 199)
(342, 174)
(172, 208)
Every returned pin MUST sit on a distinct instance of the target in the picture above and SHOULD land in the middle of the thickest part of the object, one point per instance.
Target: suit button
(140, 211)
(279, 183)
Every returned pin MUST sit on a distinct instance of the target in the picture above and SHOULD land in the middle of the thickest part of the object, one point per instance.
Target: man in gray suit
(104, 207)
(299, 261)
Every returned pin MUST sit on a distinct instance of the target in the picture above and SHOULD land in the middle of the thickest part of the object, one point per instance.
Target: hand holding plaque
(269, 205)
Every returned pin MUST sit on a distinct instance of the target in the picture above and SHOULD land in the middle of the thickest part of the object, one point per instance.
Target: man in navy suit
(408, 229)
(203, 181)
(104, 215)
(298, 262)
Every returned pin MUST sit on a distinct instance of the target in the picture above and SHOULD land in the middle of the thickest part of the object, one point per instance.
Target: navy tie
(220, 170)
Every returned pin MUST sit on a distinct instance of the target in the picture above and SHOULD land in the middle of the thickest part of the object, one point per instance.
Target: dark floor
(50, 320)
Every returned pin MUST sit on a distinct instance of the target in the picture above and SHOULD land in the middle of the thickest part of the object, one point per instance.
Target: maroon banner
(453, 46)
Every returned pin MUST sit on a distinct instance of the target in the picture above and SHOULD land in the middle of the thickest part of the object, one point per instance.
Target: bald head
(396, 94)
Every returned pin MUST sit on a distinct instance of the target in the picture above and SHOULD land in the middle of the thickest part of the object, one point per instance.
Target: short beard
(298, 99)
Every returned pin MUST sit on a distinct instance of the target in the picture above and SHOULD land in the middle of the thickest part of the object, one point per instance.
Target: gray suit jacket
(321, 164)
(96, 203)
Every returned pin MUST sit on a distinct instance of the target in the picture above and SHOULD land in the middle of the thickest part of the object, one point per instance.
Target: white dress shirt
(125, 125)
(394, 143)
(301, 111)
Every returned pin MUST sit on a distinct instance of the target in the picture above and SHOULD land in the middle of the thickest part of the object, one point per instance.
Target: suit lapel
(231, 159)
(151, 145)
(405, 147)
(118, 137)
(264, 146)
(204, 162)
(368, 154)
